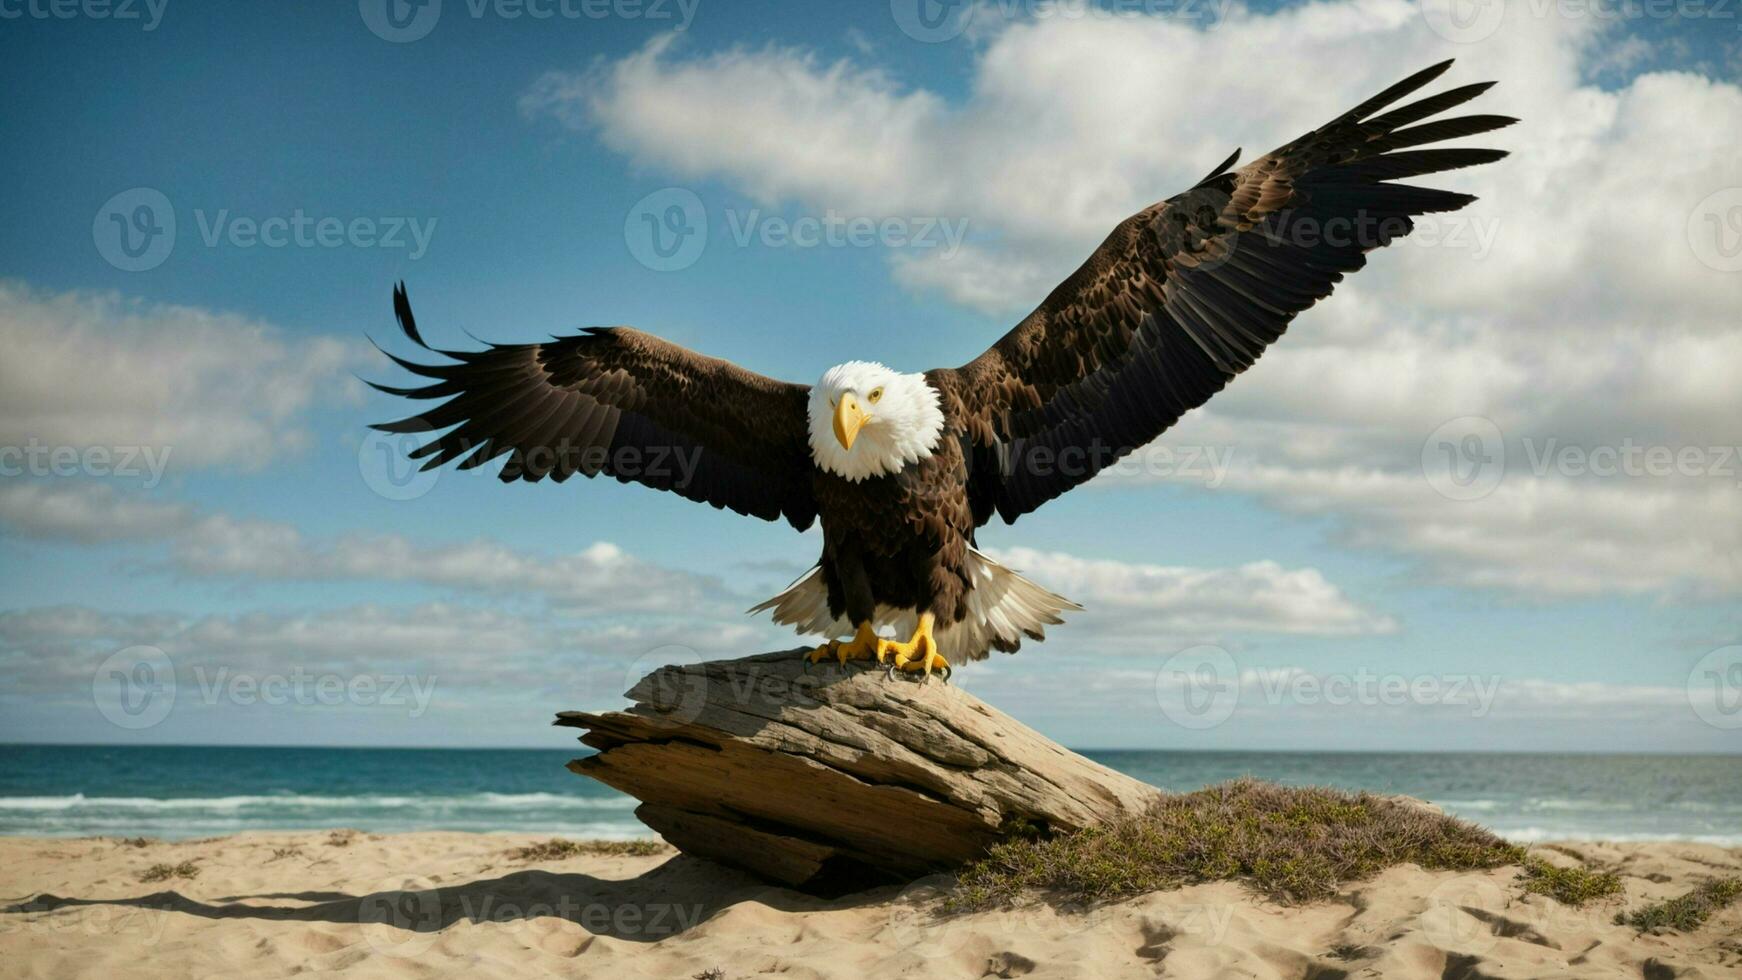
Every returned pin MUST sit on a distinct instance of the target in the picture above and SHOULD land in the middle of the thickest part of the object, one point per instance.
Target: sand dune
(449, 904)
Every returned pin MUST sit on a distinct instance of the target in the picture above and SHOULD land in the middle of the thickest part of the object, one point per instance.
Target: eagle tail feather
(804, 605)
(1004, 608)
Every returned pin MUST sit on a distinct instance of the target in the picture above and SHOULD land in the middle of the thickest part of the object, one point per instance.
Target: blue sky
(1574, 304)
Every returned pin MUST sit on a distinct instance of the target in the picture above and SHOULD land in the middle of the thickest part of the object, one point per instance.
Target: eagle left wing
(621, 402)
(1187, 293)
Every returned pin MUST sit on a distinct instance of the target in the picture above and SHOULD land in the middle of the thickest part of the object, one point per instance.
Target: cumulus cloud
(1576, 304)
(586, 591)
(1190, 694)
(1264, 702)
(596, 580)
(462, 652)
(570, 630)
(1148, 602)
(258, 672)
(86, 512)
(599, 579)
(590, 644)
(1294, 688)
(1133, 600)
(1540, 537)
(93, 370)
(57, 649)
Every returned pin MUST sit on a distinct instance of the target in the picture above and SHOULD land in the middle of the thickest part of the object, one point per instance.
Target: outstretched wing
(1187, 293)
(621, 402)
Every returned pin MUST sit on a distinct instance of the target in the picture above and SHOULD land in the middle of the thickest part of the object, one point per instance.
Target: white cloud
(589, 591)
(1148, 602)
(254, 675)
(1569, 303)
(56, 649)
(1548, 537)
(466, 651)
(1268, 698)
(603, 580)
(86, 512)
(600, 579)
(84, 370)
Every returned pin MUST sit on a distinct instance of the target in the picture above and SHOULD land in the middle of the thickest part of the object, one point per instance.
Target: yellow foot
(920, 654)
(865, 645)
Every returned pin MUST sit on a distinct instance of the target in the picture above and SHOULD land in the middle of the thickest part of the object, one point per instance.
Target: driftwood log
(834, 778)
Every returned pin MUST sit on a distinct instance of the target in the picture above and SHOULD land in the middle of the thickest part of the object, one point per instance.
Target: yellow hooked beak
(849, 419)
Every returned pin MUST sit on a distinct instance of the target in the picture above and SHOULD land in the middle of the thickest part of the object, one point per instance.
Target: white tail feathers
(805, 605)
(1003, 607)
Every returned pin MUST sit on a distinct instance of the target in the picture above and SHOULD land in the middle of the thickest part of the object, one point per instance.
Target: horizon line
(1097, 749)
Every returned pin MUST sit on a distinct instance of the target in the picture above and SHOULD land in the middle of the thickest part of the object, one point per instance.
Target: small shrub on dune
(1290, 844)
(1568, 886)
(558, 848)
(164, 872)
(1684, 913)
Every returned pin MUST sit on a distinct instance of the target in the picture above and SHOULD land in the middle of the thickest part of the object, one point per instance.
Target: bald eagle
(903, 468)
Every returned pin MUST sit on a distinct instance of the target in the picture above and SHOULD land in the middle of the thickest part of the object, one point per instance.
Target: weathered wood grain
(836, 777)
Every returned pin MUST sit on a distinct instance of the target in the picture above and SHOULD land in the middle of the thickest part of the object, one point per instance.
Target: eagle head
(867, 420)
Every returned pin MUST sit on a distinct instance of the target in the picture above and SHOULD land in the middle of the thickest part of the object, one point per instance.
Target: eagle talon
(817, 655)
(923, 665)
(865, 645)
(920, 654)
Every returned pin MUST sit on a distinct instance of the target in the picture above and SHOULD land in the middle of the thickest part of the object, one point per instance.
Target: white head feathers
(895, 420)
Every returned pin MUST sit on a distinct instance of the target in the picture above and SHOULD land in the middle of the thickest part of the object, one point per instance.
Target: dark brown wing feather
(621, 402)
(1189, 292)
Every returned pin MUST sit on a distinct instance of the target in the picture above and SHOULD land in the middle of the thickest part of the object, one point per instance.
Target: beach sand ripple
(455, 904)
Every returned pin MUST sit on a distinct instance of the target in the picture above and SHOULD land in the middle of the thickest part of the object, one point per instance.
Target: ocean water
(187, 791)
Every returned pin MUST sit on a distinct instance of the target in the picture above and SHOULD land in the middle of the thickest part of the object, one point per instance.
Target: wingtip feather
(1399, 90)
(1221, 167)
(402, 313)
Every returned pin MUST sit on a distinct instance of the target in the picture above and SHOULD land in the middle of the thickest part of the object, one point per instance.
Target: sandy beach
(463, 905)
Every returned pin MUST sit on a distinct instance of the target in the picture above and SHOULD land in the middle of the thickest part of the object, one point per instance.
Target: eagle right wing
(1187, 293)
(621, 402)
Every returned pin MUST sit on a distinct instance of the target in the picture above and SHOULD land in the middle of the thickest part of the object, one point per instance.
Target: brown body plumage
(899, 540)
(1180, 298)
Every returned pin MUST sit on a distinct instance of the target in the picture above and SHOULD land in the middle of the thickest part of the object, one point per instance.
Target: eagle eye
(876, 393)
